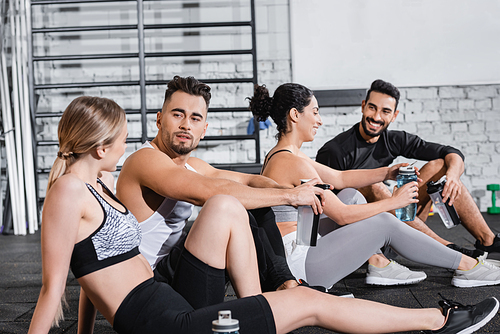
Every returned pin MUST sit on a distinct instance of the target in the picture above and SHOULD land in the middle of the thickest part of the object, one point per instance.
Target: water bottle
(308, 222)
(448, 214)
(225, 324)
(406, 174)
(305, 221)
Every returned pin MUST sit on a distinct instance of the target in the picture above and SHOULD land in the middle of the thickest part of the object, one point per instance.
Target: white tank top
(163, 229)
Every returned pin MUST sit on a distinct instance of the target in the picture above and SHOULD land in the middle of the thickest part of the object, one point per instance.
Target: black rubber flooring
(20, 282)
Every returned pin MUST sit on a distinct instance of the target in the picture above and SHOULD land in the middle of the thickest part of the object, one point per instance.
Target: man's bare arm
(251, 180)
(350, 178)
(149, 168)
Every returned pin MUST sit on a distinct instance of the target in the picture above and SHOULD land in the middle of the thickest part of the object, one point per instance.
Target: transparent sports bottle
(406, 174)
(447, 212)
(308, 222)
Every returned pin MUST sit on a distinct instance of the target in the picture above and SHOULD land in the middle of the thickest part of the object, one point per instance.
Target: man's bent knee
(433, 170)
(226, 204)
(375, 192)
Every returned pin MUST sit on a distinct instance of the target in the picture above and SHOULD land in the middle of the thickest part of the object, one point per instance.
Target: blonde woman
(86, 228)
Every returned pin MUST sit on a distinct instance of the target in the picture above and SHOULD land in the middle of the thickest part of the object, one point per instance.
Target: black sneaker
(338, 293)
(466, 319)
(473, 253)
(493, 251)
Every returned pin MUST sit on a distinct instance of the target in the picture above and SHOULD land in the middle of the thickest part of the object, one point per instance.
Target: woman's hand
(393, 171)
(405, 195)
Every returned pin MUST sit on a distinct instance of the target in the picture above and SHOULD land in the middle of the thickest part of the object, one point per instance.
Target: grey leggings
(343, 249)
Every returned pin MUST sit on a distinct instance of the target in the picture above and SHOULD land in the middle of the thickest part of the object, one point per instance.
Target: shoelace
(399, 265)
(487, 264)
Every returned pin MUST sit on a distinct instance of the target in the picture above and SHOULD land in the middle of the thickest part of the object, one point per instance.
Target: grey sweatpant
(343, 249)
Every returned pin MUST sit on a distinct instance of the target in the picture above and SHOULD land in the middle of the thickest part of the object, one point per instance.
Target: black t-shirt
(349, 150)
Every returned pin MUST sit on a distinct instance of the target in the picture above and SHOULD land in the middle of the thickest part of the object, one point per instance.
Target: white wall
(411, 43)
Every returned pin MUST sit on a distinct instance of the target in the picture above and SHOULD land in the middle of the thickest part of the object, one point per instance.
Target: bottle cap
(408, 170)
(434, 187)
(225, 323)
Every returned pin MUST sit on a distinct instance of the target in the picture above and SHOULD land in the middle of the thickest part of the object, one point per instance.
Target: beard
(370, 133)
(181, 149)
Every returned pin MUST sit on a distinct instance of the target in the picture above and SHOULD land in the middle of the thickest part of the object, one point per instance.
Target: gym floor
(20, 282)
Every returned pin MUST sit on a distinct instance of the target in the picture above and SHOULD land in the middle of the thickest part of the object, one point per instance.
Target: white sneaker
(483, 273)
(492, 258)
(393, 274)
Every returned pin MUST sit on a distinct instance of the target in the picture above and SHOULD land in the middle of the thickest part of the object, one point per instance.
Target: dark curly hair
(188, 85)
(286, 97)
(384, 87)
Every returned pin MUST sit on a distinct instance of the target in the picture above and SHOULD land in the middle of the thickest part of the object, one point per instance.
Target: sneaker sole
(461, 283)
(483, 322)
(391, 281)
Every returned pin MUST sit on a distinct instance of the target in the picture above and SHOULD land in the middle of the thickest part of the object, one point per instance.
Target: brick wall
(466, 117)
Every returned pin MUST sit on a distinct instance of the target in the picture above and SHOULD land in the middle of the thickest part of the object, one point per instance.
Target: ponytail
(63, 160)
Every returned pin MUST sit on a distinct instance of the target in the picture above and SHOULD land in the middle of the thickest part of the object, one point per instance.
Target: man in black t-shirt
(369, 145)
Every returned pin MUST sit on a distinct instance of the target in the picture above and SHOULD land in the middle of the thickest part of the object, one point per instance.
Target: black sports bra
(117, 239)
(266, 160)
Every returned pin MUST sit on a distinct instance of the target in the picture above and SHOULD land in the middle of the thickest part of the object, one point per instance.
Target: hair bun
(261, 103)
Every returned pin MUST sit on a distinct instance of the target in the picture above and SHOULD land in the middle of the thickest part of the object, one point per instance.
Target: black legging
(155, 307)
(273, 268)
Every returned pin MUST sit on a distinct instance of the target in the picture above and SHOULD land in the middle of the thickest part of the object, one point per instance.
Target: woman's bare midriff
(287, 227)
(108, 287)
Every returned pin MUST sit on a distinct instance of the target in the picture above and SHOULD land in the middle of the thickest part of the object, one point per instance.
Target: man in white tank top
(161, 181)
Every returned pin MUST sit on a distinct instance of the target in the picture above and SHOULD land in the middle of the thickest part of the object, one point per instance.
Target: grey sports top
(285, 213)
(282, 213)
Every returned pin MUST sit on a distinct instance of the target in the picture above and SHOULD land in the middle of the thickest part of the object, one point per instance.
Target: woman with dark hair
(352, 234)
(86, 228)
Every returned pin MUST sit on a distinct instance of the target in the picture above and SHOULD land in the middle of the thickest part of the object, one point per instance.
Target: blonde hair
(88, 122)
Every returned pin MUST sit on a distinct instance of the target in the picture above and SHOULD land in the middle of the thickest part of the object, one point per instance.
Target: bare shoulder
(281, 160)
(144, 170)
(140, 155)
(67, 203)
(67, 189)
(144, 162)
(68, 183)
(289, 169)
(202, 167)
